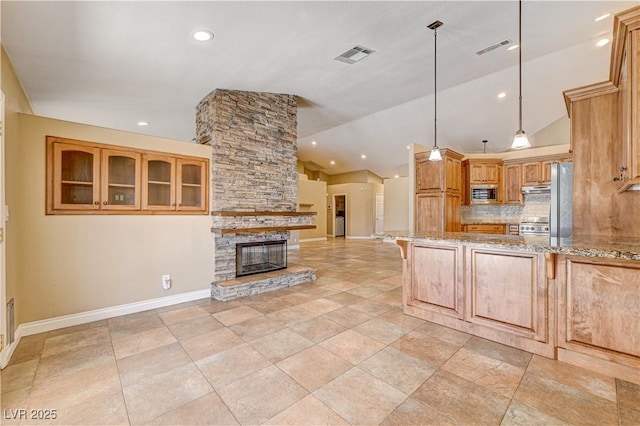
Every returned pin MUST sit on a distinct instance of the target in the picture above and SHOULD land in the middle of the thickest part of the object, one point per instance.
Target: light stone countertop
(584, 245)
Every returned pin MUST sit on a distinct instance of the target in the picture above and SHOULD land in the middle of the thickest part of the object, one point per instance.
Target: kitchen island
(577, 301)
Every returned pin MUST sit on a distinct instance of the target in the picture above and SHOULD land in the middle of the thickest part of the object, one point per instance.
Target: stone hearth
(254, 183)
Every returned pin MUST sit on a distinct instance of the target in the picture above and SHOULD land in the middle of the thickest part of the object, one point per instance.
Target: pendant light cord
(435, 87)
(520, 58)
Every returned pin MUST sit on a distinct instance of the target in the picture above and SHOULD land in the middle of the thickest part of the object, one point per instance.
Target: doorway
(5, 332)
(340, 215)
(379, 213)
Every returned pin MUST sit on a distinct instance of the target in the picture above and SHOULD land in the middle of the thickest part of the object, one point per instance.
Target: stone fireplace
(254, 184)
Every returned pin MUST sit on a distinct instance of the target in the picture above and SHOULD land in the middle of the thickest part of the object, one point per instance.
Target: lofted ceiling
(115, 63)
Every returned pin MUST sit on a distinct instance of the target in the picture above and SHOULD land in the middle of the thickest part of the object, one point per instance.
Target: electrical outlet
(166, 282)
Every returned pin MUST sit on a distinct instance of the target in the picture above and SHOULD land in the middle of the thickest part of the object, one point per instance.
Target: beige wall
(15, 102)
(361, 205)
(396, 204)
(313, 192)
(361, 176)
(76, 263)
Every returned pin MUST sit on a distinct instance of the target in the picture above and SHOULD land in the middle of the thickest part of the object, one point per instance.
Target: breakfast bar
(577, 301)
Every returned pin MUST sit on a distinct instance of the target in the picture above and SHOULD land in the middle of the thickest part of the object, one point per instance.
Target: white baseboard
(41, 326)
(308, 240)
(349, 237)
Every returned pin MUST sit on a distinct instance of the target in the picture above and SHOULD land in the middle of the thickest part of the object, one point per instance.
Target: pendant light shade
(520, 140)
(435, 151)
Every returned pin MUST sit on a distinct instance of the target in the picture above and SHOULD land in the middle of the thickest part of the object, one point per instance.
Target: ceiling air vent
(493, 47)
(355, 54)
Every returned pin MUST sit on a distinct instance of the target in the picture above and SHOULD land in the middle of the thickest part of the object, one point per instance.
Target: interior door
(379, 213)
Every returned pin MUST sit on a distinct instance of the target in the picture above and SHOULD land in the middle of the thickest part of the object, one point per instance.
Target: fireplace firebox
(258, 257)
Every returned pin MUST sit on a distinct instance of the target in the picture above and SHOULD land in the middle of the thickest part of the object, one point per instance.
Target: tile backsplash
(534, 205)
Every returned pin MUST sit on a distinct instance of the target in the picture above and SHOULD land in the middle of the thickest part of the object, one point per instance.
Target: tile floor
(337, 351)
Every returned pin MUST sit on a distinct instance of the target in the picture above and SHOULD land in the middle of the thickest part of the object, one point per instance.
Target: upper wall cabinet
(483, 171)
(90, 178)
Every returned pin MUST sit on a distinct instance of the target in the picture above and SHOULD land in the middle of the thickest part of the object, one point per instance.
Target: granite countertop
(584, 245)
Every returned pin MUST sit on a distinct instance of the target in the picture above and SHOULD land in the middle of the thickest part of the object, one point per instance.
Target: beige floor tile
(74, 360)
(360, 398)
(342, 285)
(388, 297)
(521, 414)
(135, 323)
(317, 329)
(345, 298)
(413, 412)
(137, 367)
(400, 370)
(214, 306)
(321, 306)
(207, 344)
(179, 315)
(256, 327)
(13, 406)
(309, 411)
(461, 400)
(372, 307)
(206, 410)
(195, 327)
(157, 394)
(430, 331)
(365, 291)
(500, 377)
(236, 315)
(87, 385)
(565, 402)
(352, 346)
(347, 317)
(228, 366)
(29, 348)
(259, 396)
(628, 402)
(396, 316)
(141, 342)
(270, 306)
(177, 306)
(76, 340)
(431, 351)
(280, 345)
(585, 380)
(79, 327)
(291, 316)
(18, 376)
(513, 356)
(383, 331)
(296, 298)
(326, 367)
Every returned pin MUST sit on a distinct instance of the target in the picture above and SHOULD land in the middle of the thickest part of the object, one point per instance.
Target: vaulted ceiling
(116, 63)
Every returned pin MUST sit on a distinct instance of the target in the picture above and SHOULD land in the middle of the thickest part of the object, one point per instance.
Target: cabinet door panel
(531, 173)
(477, 173)
(191, 185)
(453, 216)
(491, 173)
(429, 175)
(429, 212)
(513, 185)
(75, 173)
(507, 291)
(158, 182)
(435, 279)
(120, 180)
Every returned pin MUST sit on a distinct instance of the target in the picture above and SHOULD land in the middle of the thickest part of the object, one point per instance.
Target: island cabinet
(502, 295)
(599, 314)
(484, 228)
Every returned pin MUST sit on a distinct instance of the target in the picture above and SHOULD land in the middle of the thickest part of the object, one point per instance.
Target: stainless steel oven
(484, 194)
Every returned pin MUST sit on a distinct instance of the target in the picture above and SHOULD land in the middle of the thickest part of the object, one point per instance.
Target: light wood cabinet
(438, 193)
(598, 312)
(90, 178)
(483, 171)
(508, 291)
(512, 184)
(532, 173)
(437, 279)
(483, 228)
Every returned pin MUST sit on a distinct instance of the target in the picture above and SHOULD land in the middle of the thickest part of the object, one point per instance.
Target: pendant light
(435, 151)
(520, 139)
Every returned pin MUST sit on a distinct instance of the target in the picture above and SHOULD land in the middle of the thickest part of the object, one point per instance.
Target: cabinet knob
(96, 203)
(623, 169)
(104, 203)
(617, 179)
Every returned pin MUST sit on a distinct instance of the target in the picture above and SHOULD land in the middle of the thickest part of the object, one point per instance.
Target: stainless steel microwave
(484, 194)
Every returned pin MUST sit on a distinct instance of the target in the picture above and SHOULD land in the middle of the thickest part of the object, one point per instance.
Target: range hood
(536, 189)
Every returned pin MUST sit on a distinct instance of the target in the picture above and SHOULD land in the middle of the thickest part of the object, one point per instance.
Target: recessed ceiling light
(396, 176)
(514, 47)
(314, 143)
(502, 95)
(333, 163)
(600, 18)
(602, 42)
(143, 123)
(363, 156)
(203, 35)
(408, 147)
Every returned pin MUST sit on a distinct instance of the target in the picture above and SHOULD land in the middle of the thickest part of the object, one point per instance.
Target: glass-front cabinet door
(191, 185)
(76, 177)
(158, 177)
(120, 180)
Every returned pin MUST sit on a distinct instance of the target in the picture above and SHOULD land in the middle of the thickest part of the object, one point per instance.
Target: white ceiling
(113, 64)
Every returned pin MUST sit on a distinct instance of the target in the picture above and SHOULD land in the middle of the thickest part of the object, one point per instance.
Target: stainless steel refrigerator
(561, 214)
